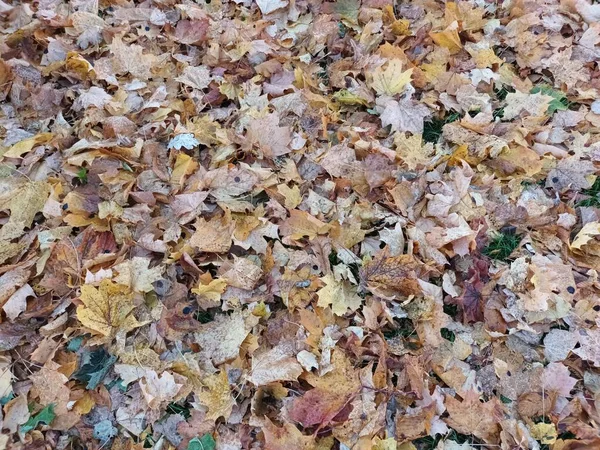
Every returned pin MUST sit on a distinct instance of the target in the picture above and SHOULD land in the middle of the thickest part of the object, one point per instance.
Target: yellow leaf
(400, 27)
(448, 39)
(391, 80)
(390, 444)
(77, 64)
(212, 290)
(184, 165)
(107, 309)
(24, 200)
(544, 432)
(26, 145)
(587, 234)
(216, 396)
(292, 195)
(85, 404)
(339, 294)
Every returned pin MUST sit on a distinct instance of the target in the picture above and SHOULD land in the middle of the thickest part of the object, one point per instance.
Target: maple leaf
(589, 349)
(24, 200)
(268, 6)
(221, 340)
(136, 274)
(214, 235)
(404, 115)
(158, 389)
(391, 80)
(107, 309)
(474, 417)
(393, 274)
(285, 437)
(277, 364)
(339, 294)
(216, 396)
(195, 77)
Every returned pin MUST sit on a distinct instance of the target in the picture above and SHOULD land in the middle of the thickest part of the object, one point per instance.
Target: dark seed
(65, 206)
(187, 310)
(555, 180)
(571, 290)
(597, 308)
(236, 179)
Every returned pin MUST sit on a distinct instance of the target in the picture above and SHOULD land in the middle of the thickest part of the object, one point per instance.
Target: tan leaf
(341, 295)
(216, 396)
(474, 417)
(214, 235)
(276, 364)
(221, 340)
(286, 437)
(136, 274)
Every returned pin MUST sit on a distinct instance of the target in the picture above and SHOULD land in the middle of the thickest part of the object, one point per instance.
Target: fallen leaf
(107, 309)
(216, 396)
(339, 294)
(474, 417)
(136, 274)
(392, 80)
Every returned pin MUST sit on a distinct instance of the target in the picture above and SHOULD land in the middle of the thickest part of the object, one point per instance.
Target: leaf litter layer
(299, 224)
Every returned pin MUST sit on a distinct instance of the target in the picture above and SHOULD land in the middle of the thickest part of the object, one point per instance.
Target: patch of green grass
(498, 113)
(432, 129)
(501, 246)
(594, 195)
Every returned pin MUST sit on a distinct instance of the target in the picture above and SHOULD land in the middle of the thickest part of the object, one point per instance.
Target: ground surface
(299, 225)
